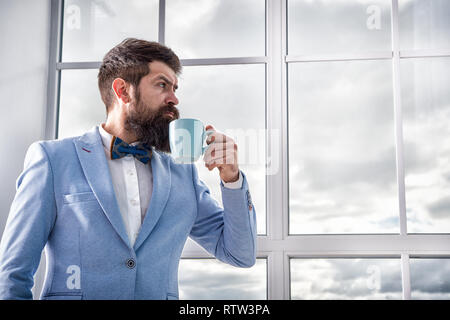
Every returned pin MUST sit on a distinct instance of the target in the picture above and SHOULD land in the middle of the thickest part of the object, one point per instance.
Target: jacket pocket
(171, 296)
(78, 197)
(62, 296)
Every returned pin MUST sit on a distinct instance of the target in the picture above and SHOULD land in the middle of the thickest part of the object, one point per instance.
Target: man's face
(153, 107)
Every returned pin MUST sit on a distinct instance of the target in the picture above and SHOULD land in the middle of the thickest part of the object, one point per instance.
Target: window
(426, 112)
(340, 279)
(424, 25)
(220, 281)
(215, 29)
(82, 103)
(342, 168)
(346, 27)
(91, 28)
(430, 278)
(340, 111)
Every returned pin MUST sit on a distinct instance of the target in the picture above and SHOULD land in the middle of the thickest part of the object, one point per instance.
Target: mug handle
(205, 134)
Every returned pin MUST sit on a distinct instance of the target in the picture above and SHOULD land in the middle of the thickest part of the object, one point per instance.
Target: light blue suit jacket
(65, 202)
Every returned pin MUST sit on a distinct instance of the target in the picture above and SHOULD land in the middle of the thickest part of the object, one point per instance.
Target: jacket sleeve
(30, 220)
(228, 233)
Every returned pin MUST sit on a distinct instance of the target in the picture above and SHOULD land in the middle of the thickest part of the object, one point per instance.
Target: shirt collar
(106, 137)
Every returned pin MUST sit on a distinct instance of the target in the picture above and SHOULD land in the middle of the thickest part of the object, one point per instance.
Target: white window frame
(278, 246)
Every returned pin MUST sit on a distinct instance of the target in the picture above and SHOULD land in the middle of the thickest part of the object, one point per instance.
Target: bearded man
(111, 207)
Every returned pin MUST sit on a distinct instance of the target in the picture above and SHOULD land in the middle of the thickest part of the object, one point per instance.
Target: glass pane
(430, 279)
(92, 28)
(232, 99)
(81, 106)
(424, 24)
(345, 279)
(210, 279)
(329, 26)
(426, 133)
(216, 28)
(342, 165)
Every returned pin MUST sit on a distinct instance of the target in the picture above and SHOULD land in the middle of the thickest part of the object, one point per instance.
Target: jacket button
(131, 263)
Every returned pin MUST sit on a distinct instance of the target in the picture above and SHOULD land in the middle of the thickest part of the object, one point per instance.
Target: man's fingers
(221, 157)
(217, 147)
(217, 137)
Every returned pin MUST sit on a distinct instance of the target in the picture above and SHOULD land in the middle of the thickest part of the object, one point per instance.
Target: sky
(92, 27)
(339, 279)
(221, 281)
(342, 168)
(342, 165)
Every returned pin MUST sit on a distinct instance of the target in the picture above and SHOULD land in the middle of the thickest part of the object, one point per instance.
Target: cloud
(78, 113)
(424, 24)
(346, 278)
(430, 278)
(339, 27)
(342, 161)
(91, 28)
(211, 279)
(323, 174)
(216, 94)
(426, 110)
(207, 29)
(440, 209)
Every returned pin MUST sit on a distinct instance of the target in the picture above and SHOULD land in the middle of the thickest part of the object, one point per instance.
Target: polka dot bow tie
(120, 148)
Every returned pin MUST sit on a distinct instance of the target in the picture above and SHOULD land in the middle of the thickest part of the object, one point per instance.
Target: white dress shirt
(133, 185)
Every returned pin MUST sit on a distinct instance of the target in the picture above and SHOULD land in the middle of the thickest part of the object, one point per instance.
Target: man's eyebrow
(161, 77)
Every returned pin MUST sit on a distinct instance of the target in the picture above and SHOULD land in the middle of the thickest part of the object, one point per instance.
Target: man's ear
(122, 90)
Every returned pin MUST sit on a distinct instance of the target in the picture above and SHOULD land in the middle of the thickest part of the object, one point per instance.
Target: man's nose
(172, 99)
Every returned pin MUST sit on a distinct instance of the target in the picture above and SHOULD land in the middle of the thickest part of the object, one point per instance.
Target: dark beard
(151, 128)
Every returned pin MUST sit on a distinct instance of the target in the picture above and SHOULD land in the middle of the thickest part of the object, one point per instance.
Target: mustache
(169, 108)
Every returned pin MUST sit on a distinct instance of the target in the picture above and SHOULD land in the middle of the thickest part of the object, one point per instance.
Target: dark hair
(129, 60)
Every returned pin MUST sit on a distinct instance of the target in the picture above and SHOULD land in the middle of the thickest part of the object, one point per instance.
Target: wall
(24, 53)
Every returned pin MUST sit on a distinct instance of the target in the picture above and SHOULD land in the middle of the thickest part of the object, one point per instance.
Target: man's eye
(162, 85)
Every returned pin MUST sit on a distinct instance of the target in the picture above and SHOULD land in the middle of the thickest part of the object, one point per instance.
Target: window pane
(342, 167)
(92, 28)
(426, 133)
(424, 24)
(216, 28)
(430, 279)
(329, 26)
(210, 279)
(232, 99)
(345, 279)
(81, 106)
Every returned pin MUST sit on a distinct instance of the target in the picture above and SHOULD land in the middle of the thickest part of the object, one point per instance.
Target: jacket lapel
(161, 189)
(92, 158)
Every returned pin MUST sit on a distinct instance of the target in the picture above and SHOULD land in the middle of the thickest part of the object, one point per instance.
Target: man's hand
(222, 153)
